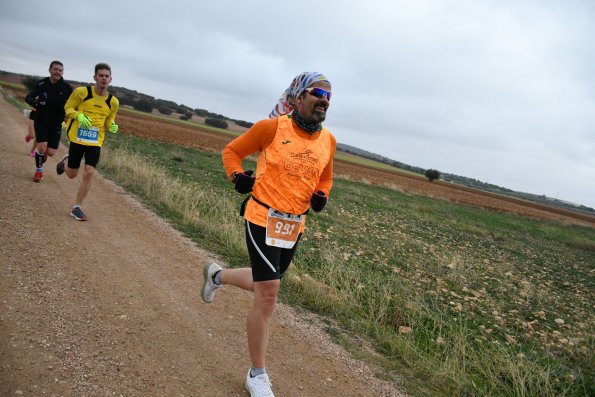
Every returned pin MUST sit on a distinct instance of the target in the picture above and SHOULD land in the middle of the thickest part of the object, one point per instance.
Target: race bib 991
(282, 229)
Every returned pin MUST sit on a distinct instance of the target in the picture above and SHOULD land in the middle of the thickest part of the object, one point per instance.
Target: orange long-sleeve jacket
(292, 164)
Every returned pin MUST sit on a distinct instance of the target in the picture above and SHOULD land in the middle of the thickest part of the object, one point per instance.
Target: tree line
(146, 103)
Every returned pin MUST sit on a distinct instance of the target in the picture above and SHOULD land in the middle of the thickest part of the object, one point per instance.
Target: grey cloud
(498, 91)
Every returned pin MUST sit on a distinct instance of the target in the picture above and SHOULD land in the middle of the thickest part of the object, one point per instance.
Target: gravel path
(111, 307)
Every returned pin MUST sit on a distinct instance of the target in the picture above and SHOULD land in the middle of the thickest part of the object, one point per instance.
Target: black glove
(41, 99)
(244, 181)
(318, 201)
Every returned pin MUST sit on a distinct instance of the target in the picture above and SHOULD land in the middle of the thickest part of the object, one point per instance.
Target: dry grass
(461, 301)
(190, 202)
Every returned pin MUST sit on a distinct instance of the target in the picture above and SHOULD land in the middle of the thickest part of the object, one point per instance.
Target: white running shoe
(259, 386)
(209, 288)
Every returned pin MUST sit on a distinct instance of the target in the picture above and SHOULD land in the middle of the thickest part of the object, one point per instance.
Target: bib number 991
(282, 229)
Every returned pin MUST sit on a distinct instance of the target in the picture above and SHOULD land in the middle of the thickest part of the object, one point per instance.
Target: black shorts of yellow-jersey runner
(76, 152)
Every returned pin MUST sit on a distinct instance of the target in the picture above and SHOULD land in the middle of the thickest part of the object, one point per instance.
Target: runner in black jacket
(48, 98)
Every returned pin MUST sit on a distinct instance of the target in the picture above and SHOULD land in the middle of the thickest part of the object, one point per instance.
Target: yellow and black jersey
(100, 109)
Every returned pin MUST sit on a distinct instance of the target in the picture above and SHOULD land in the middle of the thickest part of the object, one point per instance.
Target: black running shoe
(78, 214)
(61, 164)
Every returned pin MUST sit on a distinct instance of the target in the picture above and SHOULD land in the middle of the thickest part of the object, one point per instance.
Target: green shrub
(219, 123)
(165, 110)
(432, 174)
(243, 123)
(29, 82)
(143, 105)
(201, 112)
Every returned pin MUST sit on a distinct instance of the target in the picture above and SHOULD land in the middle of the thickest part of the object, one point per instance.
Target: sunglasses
(319, 92)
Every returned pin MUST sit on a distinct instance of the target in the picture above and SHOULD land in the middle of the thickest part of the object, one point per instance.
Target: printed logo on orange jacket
(288, 174)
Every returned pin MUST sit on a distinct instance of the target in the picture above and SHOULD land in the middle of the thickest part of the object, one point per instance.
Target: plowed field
(204, 139)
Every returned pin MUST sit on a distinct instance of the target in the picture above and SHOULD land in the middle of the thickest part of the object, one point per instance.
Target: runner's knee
(89, 171)
(266, 292)
(71, 173)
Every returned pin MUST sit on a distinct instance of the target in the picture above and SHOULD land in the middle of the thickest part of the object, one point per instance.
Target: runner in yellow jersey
(294, 173)
(91, 111)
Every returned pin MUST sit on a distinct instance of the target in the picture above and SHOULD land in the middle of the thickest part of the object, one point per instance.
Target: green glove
(84, 121)
(113, 128)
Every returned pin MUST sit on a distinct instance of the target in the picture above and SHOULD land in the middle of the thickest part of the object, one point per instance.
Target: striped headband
(302, 81)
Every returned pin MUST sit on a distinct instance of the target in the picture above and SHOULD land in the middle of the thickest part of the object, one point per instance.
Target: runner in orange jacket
(294, 174)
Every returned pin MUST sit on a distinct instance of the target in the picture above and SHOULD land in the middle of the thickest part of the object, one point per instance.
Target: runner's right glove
(113, 128)
(84, 121)
(244, 181)
(318, 201)
(41, 99)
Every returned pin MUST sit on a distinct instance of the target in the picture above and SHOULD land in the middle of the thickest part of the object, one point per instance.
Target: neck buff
(286, 103)
(304, 124)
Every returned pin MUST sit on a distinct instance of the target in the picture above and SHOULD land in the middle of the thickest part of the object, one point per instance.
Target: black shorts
(49, 135)
(268, 263)
(77, 151)
(32, 115)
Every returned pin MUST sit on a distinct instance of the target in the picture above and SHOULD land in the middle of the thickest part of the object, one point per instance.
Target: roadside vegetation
(139, 103)
(448, 299)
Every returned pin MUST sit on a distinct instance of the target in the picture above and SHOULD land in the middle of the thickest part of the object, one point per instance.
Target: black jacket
(49, 99)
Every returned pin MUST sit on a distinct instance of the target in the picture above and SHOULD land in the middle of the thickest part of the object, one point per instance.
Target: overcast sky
(500, 91)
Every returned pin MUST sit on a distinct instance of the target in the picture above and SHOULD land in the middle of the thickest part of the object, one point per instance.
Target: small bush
(183, 109)
(219, 123)
(29, 82)
(432, 174)
(165, 110)
(126, 100)
(243, 123)
(144, 105)
(201, 112)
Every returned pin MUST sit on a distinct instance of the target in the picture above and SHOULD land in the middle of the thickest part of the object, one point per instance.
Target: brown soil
(203, 139)
(111, 307)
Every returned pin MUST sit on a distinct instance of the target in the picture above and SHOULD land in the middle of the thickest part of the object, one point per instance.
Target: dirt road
(111, 307)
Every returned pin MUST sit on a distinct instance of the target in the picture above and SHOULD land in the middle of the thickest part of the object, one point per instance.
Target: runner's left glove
(318, 201)
(113, 128)
(244, 181)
